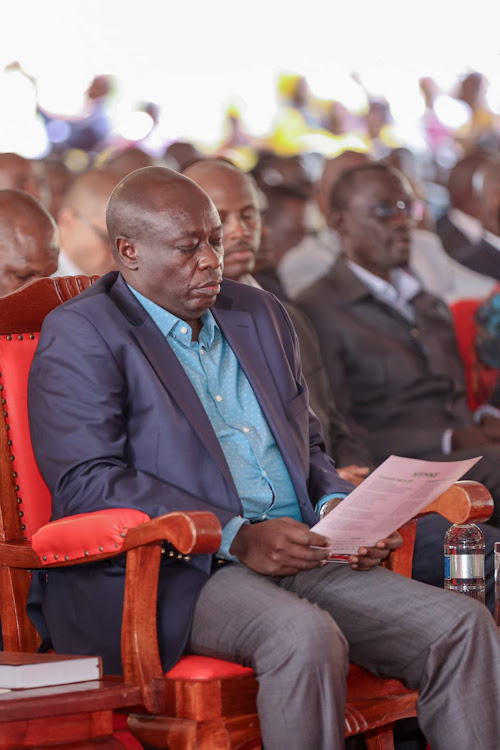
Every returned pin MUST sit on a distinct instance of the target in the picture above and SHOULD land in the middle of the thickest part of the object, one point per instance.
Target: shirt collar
(402, 288)
(468, 225)
(492, 239)
(170, 325)
(249, 280)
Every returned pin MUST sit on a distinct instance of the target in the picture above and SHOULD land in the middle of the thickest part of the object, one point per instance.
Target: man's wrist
(330, 500)
(228, 534)
(327, 507)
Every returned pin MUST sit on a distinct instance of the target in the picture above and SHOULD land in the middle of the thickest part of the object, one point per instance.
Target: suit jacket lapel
(241, 334)
(169, 370)
(354, 292)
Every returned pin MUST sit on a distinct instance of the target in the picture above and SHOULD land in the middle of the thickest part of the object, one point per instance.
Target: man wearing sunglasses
(389, 347)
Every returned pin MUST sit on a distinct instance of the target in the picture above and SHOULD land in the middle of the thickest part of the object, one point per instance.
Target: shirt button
(246, 429)
(218, 398)
(184, 329)
(202, 350)
(414, 332)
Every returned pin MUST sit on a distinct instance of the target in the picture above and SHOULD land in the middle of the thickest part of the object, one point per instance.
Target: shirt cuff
(326, 498)
(228, 533)
(446, 441)
(484, 410)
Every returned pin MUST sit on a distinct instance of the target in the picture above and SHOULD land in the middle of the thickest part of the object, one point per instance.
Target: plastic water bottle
(464, 560)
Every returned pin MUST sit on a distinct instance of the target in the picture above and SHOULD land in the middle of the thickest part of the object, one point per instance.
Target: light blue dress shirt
(255, 462)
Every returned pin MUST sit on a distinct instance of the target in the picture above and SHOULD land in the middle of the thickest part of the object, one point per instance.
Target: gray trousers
(298, 633)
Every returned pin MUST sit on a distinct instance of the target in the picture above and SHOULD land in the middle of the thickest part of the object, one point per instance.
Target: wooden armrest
(191, 533)
(88, 537)
(464, 502)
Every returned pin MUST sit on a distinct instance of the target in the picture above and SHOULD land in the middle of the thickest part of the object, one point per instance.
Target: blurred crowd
(452, 168)
(451, 215)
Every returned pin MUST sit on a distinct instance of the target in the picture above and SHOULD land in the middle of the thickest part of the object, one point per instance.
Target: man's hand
(490, 425)
(369, 557)
(354, 473)
(279, 547)
(470, 438)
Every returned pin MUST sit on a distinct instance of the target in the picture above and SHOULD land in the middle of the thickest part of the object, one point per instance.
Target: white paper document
(389, 497)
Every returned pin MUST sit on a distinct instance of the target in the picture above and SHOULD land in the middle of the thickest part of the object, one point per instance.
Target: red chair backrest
(25, 502)
(480, 379)
(32, 494)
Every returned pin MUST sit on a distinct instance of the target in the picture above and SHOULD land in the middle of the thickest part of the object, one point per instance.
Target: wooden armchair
(201, 703)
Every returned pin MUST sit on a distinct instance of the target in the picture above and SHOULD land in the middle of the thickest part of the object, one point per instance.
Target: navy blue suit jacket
(116, 422)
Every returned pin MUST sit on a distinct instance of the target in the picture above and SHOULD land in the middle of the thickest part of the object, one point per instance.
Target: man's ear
(335, 219)
(126, 252)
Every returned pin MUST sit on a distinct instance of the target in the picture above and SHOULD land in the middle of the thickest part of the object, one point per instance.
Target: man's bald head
(236, 198)
(29, 243)
(332, 170)
(167, 240)
(489, 196)
(89, 191)
(127, 161)
(82, 222)
(205, 169)
(140, 196)
(18, 173)
(462, 187)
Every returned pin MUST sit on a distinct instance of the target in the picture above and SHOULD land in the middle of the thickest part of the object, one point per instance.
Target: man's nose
(210, 257)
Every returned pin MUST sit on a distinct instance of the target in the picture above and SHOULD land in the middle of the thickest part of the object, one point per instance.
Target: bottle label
(463, 566)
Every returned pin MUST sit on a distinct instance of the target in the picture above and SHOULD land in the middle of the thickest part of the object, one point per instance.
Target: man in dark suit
(485, 256)
(389, 347)
(173, 390)
(460, 226)
(470, 229)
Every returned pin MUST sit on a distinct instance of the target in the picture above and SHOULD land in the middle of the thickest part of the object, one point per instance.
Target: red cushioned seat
(193, 667)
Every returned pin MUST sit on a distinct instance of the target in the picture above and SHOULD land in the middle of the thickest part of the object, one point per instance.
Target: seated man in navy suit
(174, 389)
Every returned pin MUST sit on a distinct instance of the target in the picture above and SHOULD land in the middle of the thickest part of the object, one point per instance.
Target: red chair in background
(202, 703)
(480, 379)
